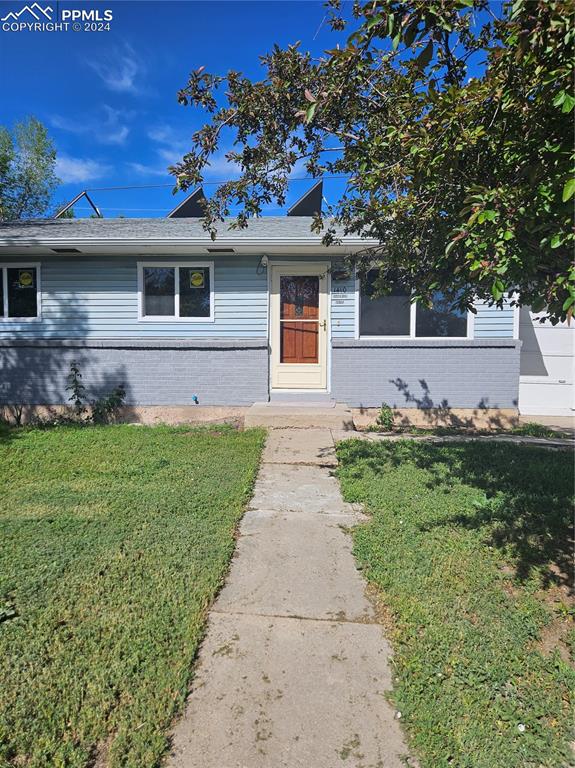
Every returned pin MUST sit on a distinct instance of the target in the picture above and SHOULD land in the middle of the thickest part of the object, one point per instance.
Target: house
(261, 314)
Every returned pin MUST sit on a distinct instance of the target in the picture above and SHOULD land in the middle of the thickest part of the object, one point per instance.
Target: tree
(68, 214)
(27, 175)
(453, 125)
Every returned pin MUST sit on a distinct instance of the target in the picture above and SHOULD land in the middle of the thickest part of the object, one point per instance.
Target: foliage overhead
(453, 124)
(27, 170)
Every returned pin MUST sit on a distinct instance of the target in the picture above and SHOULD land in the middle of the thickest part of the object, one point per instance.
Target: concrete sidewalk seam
(335, 620)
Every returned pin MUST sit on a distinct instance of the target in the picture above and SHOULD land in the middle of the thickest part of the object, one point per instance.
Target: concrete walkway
(294, 670)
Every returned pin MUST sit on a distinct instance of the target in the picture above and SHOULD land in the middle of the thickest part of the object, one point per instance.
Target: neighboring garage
(546, 384)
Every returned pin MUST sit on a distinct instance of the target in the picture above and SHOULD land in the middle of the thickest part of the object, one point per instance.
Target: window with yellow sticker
(171, 291)
(19, 295)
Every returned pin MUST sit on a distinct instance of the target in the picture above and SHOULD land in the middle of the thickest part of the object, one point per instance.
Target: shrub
(385, 417)
(106, 408)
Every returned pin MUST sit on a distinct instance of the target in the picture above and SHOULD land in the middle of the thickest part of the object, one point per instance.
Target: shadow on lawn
(527, 505)
(7, 433)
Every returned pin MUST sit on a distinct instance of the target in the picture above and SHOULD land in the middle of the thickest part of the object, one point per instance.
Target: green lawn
(114, 541)
(469, 546)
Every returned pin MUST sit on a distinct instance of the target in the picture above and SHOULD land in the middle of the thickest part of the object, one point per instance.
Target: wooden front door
(299, 326)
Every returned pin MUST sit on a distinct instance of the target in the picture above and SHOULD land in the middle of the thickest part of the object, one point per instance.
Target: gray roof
(266, 228)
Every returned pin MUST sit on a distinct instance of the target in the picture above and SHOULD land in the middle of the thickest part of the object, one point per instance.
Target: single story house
(261, 314)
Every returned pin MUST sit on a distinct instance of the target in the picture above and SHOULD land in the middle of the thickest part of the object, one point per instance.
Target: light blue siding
(343, 308)
(97, 297)
(493, 323)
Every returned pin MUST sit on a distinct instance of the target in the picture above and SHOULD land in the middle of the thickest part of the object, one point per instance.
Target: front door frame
(322, 269)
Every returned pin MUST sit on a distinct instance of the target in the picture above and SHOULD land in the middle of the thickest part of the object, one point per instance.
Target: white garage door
(547, 363)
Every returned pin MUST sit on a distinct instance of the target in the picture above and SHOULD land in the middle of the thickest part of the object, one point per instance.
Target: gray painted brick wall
(470, 374)
(228, 373)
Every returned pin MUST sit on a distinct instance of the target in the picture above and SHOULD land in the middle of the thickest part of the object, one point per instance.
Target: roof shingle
(264, 228)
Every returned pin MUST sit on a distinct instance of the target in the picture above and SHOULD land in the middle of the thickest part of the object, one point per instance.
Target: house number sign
(339, 292)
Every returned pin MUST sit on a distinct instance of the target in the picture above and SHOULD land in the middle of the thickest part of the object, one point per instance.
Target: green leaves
(374, 20)
(310, 112)
(498, 289)
(487, 215)
(425, 56)
(565, 100)
(568, 190)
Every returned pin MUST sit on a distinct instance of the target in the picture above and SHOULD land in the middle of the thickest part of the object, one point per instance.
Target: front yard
(469, 549)
(114, 542)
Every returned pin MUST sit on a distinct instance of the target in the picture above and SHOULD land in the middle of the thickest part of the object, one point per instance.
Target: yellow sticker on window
(197, 280)
(25, 278)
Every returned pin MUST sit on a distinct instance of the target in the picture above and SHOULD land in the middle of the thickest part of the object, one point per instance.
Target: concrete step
(302, 398)
(275, 416)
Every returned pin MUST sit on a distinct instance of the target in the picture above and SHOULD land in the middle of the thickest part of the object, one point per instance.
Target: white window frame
(175, 318)
(4, 267)
(412, 326)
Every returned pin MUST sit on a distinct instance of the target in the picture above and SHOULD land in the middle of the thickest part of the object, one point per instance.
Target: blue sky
(109, 98)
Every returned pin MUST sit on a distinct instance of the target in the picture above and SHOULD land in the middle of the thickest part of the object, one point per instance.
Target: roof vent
(190, 208)
(310, 203)
(65, 250)
(221, 250)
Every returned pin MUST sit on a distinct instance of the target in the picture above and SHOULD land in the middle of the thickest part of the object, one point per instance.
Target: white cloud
(221, 168)
(107, 125)
(149, 170)
(173, 145)
(117, 136)
(170, 141)
(170, 146)
(170, 156)
(119, 70)
(75, 169)
(114, 129)
(165, 134)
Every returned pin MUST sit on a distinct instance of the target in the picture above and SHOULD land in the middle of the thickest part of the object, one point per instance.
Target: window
(19, 291)
(394, 315)
(176, 292)
(385, 315)
(442, 320)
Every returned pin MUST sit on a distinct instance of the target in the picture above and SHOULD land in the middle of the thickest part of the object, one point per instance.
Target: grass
(114, 542)
(469, 547)
(533, 429)
(527, 429)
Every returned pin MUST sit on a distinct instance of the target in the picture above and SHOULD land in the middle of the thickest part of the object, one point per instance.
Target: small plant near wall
(106, 408)
(77, 390)
(101, 410)
(385, 417)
